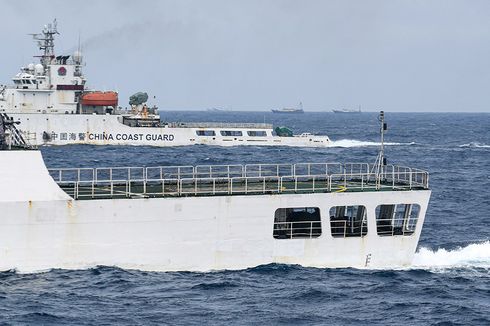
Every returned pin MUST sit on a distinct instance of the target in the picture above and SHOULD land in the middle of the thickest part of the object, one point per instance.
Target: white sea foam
(474, 145)
(473, 255)
(359, 143)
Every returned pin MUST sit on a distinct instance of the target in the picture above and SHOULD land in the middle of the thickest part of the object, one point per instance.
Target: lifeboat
(99, 99)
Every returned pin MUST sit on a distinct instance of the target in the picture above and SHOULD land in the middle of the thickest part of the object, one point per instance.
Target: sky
(407, 56)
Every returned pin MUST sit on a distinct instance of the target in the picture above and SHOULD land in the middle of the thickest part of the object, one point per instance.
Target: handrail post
(393, 179)
(410, 182)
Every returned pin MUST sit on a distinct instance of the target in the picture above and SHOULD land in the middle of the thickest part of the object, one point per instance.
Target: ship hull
(65, 129)
(43, 229)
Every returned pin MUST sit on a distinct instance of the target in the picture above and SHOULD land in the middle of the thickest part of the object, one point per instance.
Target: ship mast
(381, 159)
(45, 41)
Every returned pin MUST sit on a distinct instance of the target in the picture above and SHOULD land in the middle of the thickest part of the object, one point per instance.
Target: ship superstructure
(51, 101)
(53, 85)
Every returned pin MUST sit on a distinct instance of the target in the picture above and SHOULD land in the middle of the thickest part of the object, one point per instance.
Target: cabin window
(205, 133)
(348, 221)
(400, 219)
(297, 223)
(257, 133)
(234, 133)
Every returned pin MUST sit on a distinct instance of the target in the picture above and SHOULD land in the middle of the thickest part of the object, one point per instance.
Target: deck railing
(299, 229)
(201, 180)
(220, 125)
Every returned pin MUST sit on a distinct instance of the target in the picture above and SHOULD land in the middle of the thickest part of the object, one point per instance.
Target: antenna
(383, 128)
(79, 46)
(381, 159)
(45, 41)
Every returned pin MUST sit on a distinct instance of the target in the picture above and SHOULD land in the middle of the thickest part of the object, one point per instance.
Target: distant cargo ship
(347, 110)
(299, 109)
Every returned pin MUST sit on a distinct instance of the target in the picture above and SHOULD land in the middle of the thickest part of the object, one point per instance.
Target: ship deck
(225, 180)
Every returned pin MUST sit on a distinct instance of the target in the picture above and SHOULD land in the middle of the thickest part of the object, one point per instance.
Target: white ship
(51, 101)
(349, 111)
(201, 218)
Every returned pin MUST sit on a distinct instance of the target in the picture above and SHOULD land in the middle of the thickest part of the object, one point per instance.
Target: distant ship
(347, 110)
(218, 110)
(299, 109)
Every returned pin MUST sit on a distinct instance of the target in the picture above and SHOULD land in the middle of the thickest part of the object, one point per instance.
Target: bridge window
(400, 219)
(234, 133)
(348, 221)
(297, 223)
(205, 133)
(257, 133)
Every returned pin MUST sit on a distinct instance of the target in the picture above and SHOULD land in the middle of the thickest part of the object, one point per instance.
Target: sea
(448, 282)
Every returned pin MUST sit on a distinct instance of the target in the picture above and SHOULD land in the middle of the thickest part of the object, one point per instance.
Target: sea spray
(473, 255)
(347, 143)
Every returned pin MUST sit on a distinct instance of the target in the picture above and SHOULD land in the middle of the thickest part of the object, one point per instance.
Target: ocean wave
(474, 145)
(347, 143)
(473, 255)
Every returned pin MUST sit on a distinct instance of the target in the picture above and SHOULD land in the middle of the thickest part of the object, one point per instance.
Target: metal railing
(395, 226)
(234, 179)
(344, 228)
(221, 125)
(295, 230)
